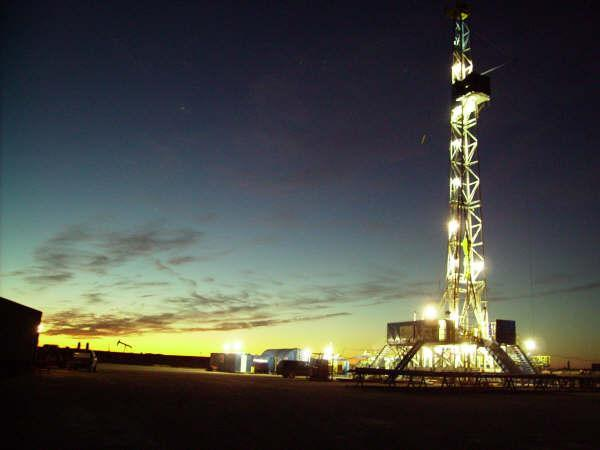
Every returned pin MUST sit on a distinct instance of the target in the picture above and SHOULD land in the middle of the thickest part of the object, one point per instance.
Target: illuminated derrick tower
(464, 301)
(458, 336)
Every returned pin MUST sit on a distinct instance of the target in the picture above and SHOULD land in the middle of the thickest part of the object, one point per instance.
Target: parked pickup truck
(83, 359)
(315, 369)
(290, 368)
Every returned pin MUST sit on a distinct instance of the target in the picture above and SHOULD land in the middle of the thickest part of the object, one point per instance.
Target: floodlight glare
(430, 312)
(530, 345)
(328, 352)
(305, 354)
(452, 226)
(456, 70)
(478, 265)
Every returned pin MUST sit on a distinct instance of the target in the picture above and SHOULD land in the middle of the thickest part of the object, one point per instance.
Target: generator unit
(421, 330)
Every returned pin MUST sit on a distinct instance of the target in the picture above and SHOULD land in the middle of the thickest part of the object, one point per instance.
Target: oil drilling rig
(458, 335)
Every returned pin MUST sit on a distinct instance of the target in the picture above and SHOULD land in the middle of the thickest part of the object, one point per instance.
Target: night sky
(179, 176)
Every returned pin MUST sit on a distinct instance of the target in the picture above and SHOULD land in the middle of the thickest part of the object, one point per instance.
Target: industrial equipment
(83, 359)
(268, 360)
(316, 369)
(230, 362)
(120, 342)
(457, 334)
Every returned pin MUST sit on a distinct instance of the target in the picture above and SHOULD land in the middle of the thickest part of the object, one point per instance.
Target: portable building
(506, 331)
(421, 330)
(231, 362)
(267, 361)
(216, 362)
(18, 335)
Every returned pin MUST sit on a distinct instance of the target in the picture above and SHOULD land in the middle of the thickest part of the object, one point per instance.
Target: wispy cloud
(76, 323)
(382, 289)
(199, 310)
(211, 256)
(164, 268)
(227, 326)
(573, 289)
(177, 261)
(191, 304)
(48, 275)
(569, 289)
(553, 278)
(132, 284)
(94, 298)
(91, 248)
(79, 324)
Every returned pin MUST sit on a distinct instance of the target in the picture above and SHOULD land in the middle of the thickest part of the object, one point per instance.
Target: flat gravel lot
(155, 407)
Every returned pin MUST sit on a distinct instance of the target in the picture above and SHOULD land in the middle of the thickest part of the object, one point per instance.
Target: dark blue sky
(263, 168)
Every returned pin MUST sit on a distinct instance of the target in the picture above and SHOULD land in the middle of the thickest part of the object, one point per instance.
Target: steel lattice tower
(461, 338)
(464, 298)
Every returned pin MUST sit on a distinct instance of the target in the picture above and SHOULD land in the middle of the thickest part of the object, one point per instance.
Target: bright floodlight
(430, 312)
(477, 265)
(452, 226)
(530, 345)
(237, 346)
(41, 328)
(305, 354)
(469, 106)
(328, 352)
(456, 69)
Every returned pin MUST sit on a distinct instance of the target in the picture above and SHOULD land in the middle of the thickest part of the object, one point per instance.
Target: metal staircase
(520, 359)
(512, 360)
(404, 361)
(379, 360)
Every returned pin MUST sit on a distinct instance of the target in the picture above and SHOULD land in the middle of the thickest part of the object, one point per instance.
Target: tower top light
(460, 11)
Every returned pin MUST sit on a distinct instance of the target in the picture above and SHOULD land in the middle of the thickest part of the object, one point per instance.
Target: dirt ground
(151, 407)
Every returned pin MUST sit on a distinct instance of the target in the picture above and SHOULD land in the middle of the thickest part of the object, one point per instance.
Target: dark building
(437, 331)
(506, 332)
(268, 360)
(18, 335)
(230, 362)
